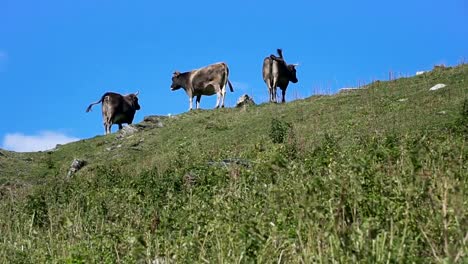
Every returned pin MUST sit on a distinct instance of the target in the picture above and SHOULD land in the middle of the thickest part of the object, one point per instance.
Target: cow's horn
(136, 94)
(295, 64)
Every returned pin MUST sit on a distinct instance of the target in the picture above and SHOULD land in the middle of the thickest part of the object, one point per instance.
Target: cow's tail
(230, 85)
(280, 52)
(91, 105)
(227, 77)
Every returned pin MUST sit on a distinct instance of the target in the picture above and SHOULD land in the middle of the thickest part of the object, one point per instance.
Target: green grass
(356, 177)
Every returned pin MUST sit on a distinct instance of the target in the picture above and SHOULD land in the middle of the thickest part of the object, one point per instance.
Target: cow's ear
(175, 74)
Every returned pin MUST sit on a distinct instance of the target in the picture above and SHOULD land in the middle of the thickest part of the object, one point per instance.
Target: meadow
(375, 175)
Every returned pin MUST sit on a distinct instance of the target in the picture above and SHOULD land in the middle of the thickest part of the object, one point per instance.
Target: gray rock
(437, 87)
(153, 121)
(347, 90)
(154, 118)
(76, 165)
(127, 131)
(245, 100)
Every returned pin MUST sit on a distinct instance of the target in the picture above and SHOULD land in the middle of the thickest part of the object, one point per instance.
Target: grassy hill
(374, 175)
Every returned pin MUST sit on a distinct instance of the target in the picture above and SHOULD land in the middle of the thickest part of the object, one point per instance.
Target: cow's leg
(270, 89)
(120, 126)
(283, 93)
(273, 90)
(107, 126)
(268, 84)
(110, 119)
(269, 94)
(190, 102)
(104, 119)
(223, 95)
(273, 83)
(198, 101)
(218, 95)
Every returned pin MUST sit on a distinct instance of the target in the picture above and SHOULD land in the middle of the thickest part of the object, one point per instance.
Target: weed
(279, 130)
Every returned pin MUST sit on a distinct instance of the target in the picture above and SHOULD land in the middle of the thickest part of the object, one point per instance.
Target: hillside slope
(378, 174)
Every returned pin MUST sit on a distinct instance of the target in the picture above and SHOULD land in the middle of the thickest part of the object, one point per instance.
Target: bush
(279, 130)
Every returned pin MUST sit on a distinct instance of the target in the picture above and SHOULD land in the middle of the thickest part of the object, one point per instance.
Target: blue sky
(56, 57)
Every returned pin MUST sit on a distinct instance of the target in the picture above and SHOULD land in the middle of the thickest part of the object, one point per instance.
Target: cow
(117, 109)
(277, 73)
(208, 80)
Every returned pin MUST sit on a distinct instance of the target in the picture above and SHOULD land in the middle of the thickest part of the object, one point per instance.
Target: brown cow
(277, 73)
(208, 80)
(117, 109)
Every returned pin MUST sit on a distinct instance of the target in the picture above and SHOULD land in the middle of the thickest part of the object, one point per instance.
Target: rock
(442, 113)
(347, 90)
(439, 67)
(153, 121)
(154, 118)
(76, 165)
(403, 100)
(245, 100)
(437, 87)
(127, 131)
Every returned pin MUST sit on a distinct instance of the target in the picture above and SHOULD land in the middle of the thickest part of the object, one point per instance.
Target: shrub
(279, 130)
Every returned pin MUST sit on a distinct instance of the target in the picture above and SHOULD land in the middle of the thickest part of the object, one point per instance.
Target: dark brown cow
(277, 73)
(208, 80)
(117, 109)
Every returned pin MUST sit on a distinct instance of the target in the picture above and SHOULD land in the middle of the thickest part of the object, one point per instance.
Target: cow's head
(133, 100)
(176, 81)
(292, 73)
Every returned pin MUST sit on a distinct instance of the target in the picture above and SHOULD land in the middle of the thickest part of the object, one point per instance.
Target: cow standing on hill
(277, 73)
(208, 80)
(117, 109)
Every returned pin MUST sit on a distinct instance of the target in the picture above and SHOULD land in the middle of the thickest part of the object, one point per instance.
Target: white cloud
(44, 140)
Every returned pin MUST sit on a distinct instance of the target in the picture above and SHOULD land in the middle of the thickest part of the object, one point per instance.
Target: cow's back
(211, 74)
(112, 100)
